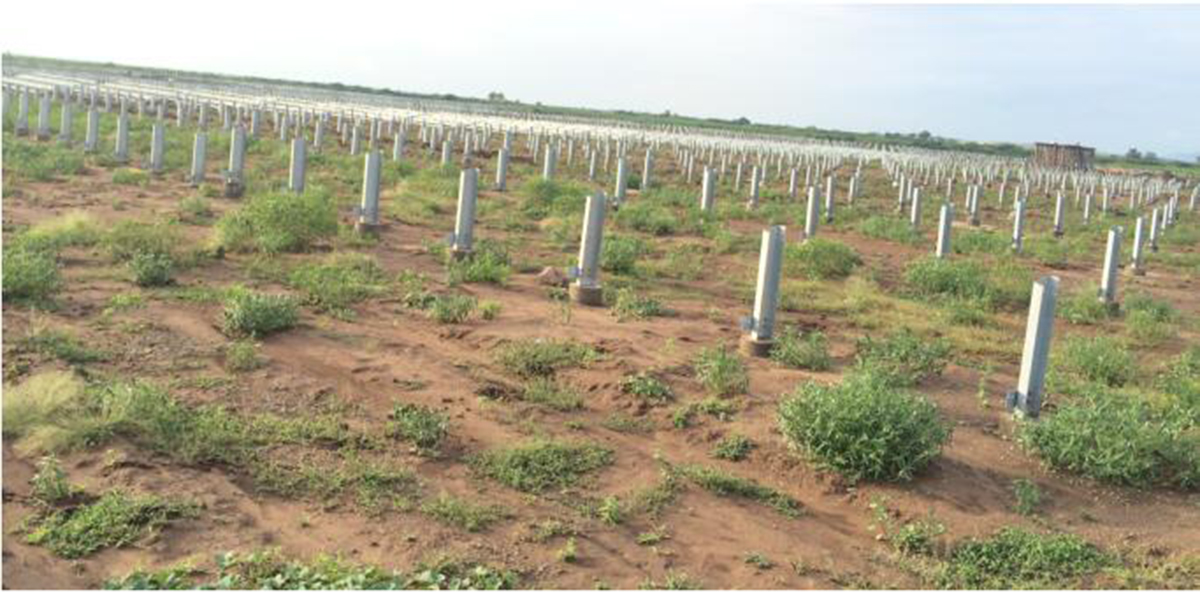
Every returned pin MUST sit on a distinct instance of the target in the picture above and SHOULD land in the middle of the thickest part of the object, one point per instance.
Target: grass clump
(902, 358)
(423, 427)
(864, 429)
(1100, 360)
(279, 222)
(619, 254)
(1027, 496)
(463, 514)
(128, 239)
(548, 392)
(532, 358)
(1119, 439)
(721, 371)
(998, 285)
(728, 485)
(541, 465)
(339, 281)
(152, 269)
(1083, 308)
(629, 305)
(808, 351)
(820, 259)
(891, 228)
(451, 309)
(489, 263)
(735, 447)
(255, 314)
(242, 356)
(126, 176)
(115, 520)
(31, 275)
(647, 388)
(41, 413)
(49, 485)
(73, 229)
(1016, 558)
(31, 161)
(1149, 319)
(63, 346)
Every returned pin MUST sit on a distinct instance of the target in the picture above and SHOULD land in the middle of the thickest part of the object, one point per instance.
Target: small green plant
(423, 427)
(1016, 558)
(489, 310)
(130, 177)
(339, 281)
(115, 520)
(1101, 360)
(1083, 308)
(628, 305)
(242, 356)
(30, 275)
(902, 358)
(489, 263)
(279, 222)
(729, 485)
(735, 448)
(647, 388)
(451, 309)
(808, 351)
(463, 514)
(863, 428)
(1027, 495)
(129, 239)
(673, 580)
(551, 393)
(530, 358)
(721, 371)
(152, 269)
(541, 465)
(196, 209)
(569, 553)
(63, 346)
(1148, 319)
(759, 561)
(619, 254)
(892, 228)
(49, 485)
(610, 511)
(255, 314)
(820, 259)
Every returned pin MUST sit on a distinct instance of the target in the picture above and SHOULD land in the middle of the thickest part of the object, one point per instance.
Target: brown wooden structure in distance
(1070, 156)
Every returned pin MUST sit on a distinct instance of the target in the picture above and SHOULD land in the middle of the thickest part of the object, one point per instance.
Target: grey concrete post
(92, 139)
(1027, 399)
(157, 146)
(1087, 207)
(708, 191)
(447, 151)
(647, 169)
(766, 294)
(398, 145)
(502, 169)
(592, 161)
(793, 179)
(1018, 235)
(43, 129)
(1155, 228)
(945, 221)
(464, 224)
(755, 176)
(914, 215)
(1139, 239)
(1112, 259)
(121, 145)
(1059, 205)
(237, 159)
(812, 214)
(586, 288)
(368, 211)
(299, 163)
(66, 122)
(622, 181)
(551, 162)
(255, 122)
(355, 140)
(830, 197)
(737, 177)
(22, 124)
(199, 156)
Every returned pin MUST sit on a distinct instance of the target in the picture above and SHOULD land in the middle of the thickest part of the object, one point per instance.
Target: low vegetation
(542, 466)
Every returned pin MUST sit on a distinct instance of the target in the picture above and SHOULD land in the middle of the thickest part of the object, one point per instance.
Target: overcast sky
(1108, 76)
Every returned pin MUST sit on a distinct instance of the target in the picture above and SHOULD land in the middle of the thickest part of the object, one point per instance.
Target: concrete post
(22, 124)
(592, 161)
(1155, 228)
(945, 221)
(1027, 399)
(622, 181)
(551, 162)
(1059, 205)
(298, 164)
(737, 177)
(708, 191)
(1018, 235)
(66, 123)
(157, 146)
(199, 156)
(43, 129)
(755, 176)
(830, 195)
(914, 215)
(502, 170)
(1139, 239)
(398, 145)
(793, 179)
(647, 169)
(1112, 259)
(464, 224)
(766, 295)
(447, 151)
(812, 214)
(368, 211)
(92, 139)
(1087, 207)
(237, 159)
(586, 288)
(121, 145)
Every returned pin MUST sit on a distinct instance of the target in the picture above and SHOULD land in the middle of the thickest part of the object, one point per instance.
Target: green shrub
(982, 241)
(728, 485)
(543, 198)
(647, 388)
(451, 309)
(30, 275)
(63, 346)
(127, 176)
(550, 393)
(1149, 319)
(423, 427)
(1015, 558)
(49, 485)
(902, 358)
(1118, 439)
(619, 254)
(1083, 307)
(735, 447)
(629, 305)
(489, 310)
(531, 358)
(537, 466)
(115, 520)
(488, 264)
(648, 217)
(997, 284)
(864, 428)
(721, 372)
(463, 514)
(130, 238)
(279, 222)
(256, 314)
(73, 229)
(339, 281)
(1101, 360)
(1028, 496)
(820, 259)
(34, 161)
(892, 228)
(808, 351)
(152, 269)
(242, 356)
